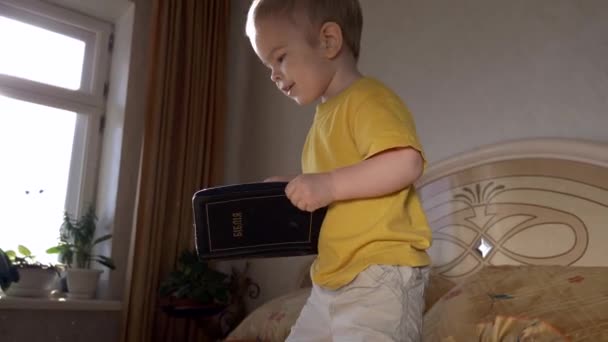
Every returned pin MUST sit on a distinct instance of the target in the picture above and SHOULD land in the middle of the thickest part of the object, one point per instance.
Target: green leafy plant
(12, 263)
(195, 280)
(77, 239)
(8, 271)
(24, 258)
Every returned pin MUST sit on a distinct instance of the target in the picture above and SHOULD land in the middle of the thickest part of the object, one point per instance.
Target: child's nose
(275, 76)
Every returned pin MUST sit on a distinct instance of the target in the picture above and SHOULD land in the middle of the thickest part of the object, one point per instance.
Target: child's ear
(331, 39)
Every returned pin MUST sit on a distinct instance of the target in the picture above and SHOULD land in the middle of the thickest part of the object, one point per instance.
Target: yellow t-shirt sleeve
(383, 123)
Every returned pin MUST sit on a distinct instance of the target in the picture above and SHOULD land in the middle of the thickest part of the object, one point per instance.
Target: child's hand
(279, 178)
(310, 192)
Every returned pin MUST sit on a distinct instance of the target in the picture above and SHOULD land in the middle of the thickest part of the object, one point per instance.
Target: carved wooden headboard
(535, 202)
(541, 202)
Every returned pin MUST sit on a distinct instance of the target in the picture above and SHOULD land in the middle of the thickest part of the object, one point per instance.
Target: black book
(253, 220)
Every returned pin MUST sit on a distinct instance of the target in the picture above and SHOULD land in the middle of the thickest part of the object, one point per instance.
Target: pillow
(571, 300)
(272, 321)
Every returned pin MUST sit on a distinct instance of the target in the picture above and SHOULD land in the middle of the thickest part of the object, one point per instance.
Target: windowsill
(18, 303)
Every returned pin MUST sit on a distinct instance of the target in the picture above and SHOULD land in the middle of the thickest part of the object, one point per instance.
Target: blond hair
(346, 13)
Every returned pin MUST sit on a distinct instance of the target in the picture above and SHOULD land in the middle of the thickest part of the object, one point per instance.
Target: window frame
(89, 102)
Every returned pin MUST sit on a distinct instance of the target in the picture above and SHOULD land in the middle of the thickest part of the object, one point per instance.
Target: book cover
(253, 220)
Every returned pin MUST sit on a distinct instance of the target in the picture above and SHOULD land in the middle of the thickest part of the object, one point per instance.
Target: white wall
(476, 72)
(108, 10)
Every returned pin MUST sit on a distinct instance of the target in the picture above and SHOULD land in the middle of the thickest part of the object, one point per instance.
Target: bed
(520, 247)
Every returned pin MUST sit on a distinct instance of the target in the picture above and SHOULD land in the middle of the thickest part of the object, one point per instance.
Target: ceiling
(107, 10)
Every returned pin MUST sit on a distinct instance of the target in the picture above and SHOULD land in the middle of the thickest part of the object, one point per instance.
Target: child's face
(298, 69)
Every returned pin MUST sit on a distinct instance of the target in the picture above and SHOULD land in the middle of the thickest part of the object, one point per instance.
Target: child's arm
(382, 174)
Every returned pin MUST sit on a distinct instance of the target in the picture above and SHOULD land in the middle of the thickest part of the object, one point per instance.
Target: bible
(252, 220)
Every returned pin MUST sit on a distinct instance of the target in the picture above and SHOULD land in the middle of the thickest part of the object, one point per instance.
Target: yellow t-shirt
(363, 120)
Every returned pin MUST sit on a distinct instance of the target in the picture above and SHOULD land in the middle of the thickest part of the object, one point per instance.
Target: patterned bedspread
(524, 303)
(499, 303)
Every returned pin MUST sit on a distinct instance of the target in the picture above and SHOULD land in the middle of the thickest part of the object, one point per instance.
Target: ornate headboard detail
(541, 202)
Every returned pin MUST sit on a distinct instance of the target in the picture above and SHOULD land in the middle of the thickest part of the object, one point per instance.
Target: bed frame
(530, 202)
(526, 202)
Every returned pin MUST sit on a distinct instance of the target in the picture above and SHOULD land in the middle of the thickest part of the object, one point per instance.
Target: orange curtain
(182, 153)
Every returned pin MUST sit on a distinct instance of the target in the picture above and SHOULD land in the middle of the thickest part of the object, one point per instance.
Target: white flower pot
(82, 283)
(33, 282)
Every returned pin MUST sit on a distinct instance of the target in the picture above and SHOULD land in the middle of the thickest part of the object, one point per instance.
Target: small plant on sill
(22, 275)
(76, 243)
(24, 258)
(77, 240)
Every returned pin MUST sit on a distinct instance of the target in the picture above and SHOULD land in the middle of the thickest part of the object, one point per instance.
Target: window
(53, 68)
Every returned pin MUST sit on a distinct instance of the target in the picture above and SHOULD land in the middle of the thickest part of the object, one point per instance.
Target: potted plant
(22, 276)
(75, 249)
(8, 272)
(194, 289)
(212, 298)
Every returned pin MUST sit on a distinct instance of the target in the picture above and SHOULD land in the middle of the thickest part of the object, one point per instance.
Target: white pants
(383, 303)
